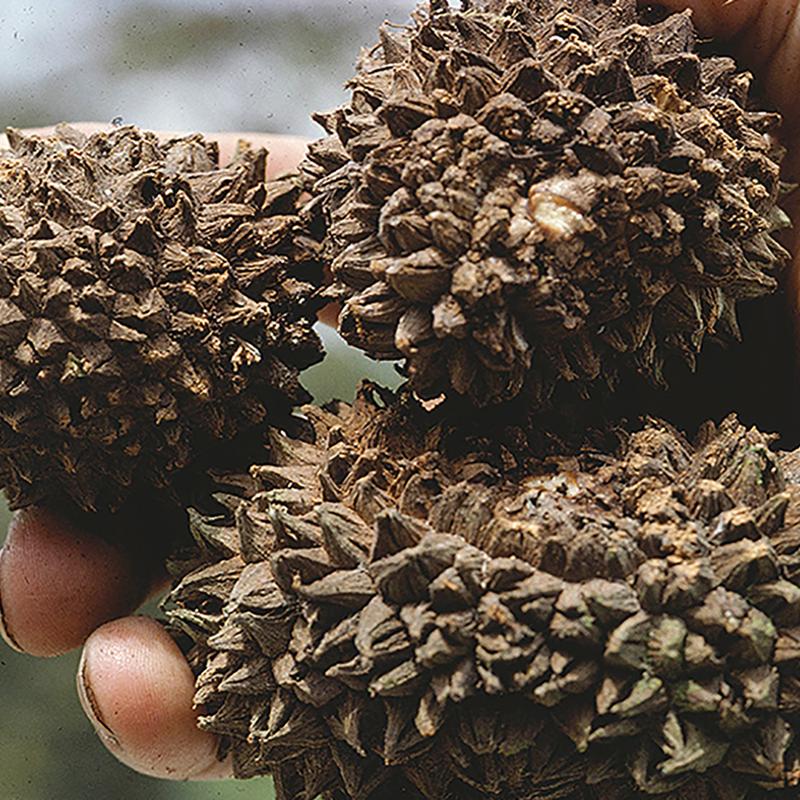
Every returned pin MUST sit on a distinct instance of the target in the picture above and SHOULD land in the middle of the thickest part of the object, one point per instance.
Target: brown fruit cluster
(152, 304)
(522, 197)
(546, 193)
(405, 609)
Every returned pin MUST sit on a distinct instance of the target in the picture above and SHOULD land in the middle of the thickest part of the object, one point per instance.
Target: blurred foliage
(338, 375)
(48, 749)
(183, 36)
(176, 65)
(171, 64)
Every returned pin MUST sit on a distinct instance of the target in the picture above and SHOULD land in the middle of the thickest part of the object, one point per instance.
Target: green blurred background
(164, 64)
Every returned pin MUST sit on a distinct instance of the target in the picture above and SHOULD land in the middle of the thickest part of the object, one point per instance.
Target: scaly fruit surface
(408, 609)
(546, 193)
(152, 305)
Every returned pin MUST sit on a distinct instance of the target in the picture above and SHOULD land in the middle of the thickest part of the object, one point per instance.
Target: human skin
(133, 682)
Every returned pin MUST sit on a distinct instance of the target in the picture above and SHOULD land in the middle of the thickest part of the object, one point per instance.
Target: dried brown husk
(409, 609)
(539, 193)
(152, 305)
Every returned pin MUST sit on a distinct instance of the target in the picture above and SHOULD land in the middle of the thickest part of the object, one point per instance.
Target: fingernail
(4, 632)
(91, 708)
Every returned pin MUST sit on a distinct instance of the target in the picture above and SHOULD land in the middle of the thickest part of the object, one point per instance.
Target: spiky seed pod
(545, 190)
(151, 304)
(402, 610)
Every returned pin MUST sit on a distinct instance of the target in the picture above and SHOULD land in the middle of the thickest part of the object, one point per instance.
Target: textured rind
(152, 304)
(405, 609)
(544, 194)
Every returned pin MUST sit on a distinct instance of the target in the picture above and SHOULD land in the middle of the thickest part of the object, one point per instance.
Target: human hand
(60, 587)
(134, 683)
(764, 35)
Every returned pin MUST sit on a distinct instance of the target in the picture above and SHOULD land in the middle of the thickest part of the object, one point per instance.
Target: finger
(719, 18)
(285, 152)
(329, 314)
(765, 36)
(85, 127)
(136, 688)
(58, 583)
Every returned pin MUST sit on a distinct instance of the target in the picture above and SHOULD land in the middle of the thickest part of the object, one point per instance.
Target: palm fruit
(152, 304)
(546, 193)
(411, 608)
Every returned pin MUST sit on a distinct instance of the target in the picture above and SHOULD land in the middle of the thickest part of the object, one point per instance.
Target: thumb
(764, 35)
(725, 18)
